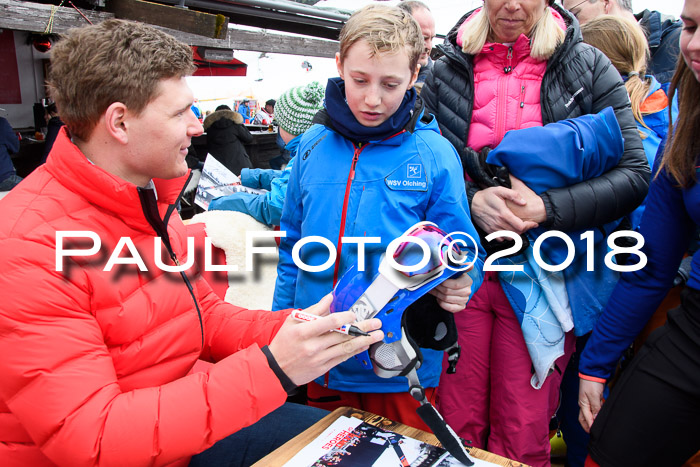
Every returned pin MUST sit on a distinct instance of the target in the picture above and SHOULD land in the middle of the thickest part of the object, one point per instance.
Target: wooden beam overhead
(172, 17)
(265, 41)
(33, 17)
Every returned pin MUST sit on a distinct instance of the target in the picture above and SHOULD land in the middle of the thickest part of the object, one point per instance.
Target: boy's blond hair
(546, 35)
(114, 61)
(386, 29)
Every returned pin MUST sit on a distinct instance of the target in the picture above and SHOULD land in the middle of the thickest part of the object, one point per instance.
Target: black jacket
(53, 127)
(226, 135)
(578, 80)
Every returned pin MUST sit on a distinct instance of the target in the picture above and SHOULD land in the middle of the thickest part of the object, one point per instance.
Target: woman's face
(690, 37)
(511, 18)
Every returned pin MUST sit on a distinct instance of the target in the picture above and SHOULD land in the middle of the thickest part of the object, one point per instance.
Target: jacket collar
(655, 25)
(419, 119)
(104, 190)
(345, 123)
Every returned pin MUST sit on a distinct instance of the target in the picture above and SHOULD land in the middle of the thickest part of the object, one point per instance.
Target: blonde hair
(114, 61)
(624, 43)
(546, 35)
(386, 29)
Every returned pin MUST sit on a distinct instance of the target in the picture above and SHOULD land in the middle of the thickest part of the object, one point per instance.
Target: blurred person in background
(294, 113)
(53, 125)
(244, 110)
(265, 115)
(422, 14)
(662, 31)
(9, 144)
(226, 135)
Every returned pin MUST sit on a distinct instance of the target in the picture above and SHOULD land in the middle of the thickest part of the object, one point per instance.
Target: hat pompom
(314, 93)
(296, 107)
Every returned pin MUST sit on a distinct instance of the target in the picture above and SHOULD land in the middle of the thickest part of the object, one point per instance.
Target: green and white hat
(297, 106)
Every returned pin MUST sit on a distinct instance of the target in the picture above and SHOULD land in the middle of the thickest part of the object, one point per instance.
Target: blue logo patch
(408, 177)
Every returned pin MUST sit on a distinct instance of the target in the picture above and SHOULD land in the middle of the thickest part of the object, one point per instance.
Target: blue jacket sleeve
(9, 138)
(285, 287)
(265, 208)
(259, 178)
(257, 206)
(667, 230)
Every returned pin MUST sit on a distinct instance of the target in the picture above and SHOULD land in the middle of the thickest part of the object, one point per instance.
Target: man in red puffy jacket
(104, 314)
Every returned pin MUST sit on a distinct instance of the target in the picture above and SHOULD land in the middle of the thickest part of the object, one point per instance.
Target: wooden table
(294, 445)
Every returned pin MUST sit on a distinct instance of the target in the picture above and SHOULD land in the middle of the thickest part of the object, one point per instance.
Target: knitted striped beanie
(297, 106)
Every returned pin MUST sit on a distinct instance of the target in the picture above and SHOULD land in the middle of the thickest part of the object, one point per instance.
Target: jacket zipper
(502, 101)
(348, 185)
(150, 211)
(351, 176)
(521, 105)
(509, 67)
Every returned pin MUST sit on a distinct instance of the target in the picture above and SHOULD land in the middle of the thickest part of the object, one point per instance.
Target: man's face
(585, 10)
(375, 86)
(160, 135)
(269, 108)
(427, 28)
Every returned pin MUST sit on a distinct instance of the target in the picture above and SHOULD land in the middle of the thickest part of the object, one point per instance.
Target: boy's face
(374, 86)
(160, 135)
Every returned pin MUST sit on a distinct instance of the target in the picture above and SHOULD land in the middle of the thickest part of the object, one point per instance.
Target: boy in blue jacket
(374, 166)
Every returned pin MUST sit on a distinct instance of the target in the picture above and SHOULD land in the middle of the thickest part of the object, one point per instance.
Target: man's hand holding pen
(305, 350)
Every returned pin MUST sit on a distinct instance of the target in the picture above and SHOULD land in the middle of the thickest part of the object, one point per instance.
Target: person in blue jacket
(244, 110)
(9, 144)
(294, 112)
(373, 167)
(651, 416)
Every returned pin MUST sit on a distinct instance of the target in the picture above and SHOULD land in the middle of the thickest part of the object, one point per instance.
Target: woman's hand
(490, 210)
(533, 209)
(590, 400)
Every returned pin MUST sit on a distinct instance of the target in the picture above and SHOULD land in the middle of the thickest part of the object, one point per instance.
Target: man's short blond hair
(114, 61)
(386, 29)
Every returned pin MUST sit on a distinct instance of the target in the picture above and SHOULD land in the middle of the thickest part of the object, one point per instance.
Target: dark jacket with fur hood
(226, 135)
(578, 80)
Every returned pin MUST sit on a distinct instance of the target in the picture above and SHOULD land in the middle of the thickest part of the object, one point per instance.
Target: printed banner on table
(350, 442)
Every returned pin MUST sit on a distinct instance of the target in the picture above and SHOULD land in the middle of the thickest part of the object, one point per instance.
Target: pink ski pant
(489, 400)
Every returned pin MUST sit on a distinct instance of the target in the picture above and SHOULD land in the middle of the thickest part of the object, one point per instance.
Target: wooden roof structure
(212, 24)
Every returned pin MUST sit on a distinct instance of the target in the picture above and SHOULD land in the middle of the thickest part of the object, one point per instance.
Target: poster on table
(350, 442)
